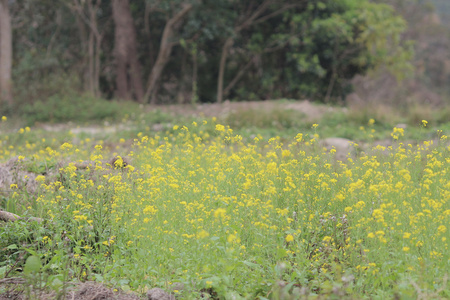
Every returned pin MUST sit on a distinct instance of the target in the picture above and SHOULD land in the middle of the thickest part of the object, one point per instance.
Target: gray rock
(12, 172)
(159, 294)
(401, 125)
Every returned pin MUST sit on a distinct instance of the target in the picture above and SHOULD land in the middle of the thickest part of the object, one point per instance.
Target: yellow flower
(405, 249)
(66, 146)
(40, 178)
(397, 132)
(286, 153)
(118, 162)
(219, 213)
(289, 238)
(442, 229)
(424, 123)
(327, 239)
(220, 127)
(202, 234)
(4, 119)
(231, 238)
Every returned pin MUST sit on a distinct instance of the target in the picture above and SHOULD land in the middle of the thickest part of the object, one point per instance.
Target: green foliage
(221, 214)
(77, 108)
(261, 219)
(294, 49)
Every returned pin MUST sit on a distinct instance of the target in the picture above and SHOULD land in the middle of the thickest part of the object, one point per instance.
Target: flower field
(203, 212)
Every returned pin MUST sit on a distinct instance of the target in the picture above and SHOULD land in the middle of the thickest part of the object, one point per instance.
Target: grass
(233, 214)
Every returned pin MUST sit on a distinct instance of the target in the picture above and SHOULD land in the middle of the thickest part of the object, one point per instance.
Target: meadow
(202, 209)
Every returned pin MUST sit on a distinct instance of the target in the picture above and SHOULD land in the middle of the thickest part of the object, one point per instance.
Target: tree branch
(165, 50)
(236, 78)
(10, 217)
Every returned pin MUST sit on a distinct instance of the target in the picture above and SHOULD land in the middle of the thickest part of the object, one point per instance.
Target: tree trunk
(223, 60)
(91, 53)
(238, 76)
(120, 50)
(165, 50)
(194, 93)
(135, 67)
(84, 49)
(5, 53)
(96, 45)
(90, 43)
(126, 52)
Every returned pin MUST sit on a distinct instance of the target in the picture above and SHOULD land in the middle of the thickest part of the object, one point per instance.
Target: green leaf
(12, 247)
(281, 253)
(2, 270)
(57, 283)
(33, 264)
(251, 265)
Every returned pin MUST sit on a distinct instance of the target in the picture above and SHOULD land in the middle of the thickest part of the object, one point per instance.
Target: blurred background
(60, 57)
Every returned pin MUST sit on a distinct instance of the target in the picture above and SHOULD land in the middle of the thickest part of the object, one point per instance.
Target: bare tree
(5, 53)
(125, 52)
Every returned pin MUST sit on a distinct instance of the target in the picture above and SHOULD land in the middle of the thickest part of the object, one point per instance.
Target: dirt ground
(81, 291)
(222, 109)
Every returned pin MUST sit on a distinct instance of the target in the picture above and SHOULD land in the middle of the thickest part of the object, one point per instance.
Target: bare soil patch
(81, 291)
(223, 109)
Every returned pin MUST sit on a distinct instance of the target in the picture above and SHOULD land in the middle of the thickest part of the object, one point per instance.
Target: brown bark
(126, 52)
(194, 96)
(165, 50)
(97, 40)
(5, 53)
(223, 59)
(120, 50)
(84, 49)
(135, 67)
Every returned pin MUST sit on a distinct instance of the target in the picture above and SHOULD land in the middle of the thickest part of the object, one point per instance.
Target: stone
(159, 294)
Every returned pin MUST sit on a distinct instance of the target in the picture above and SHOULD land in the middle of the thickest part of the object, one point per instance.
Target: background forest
(184, 51)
